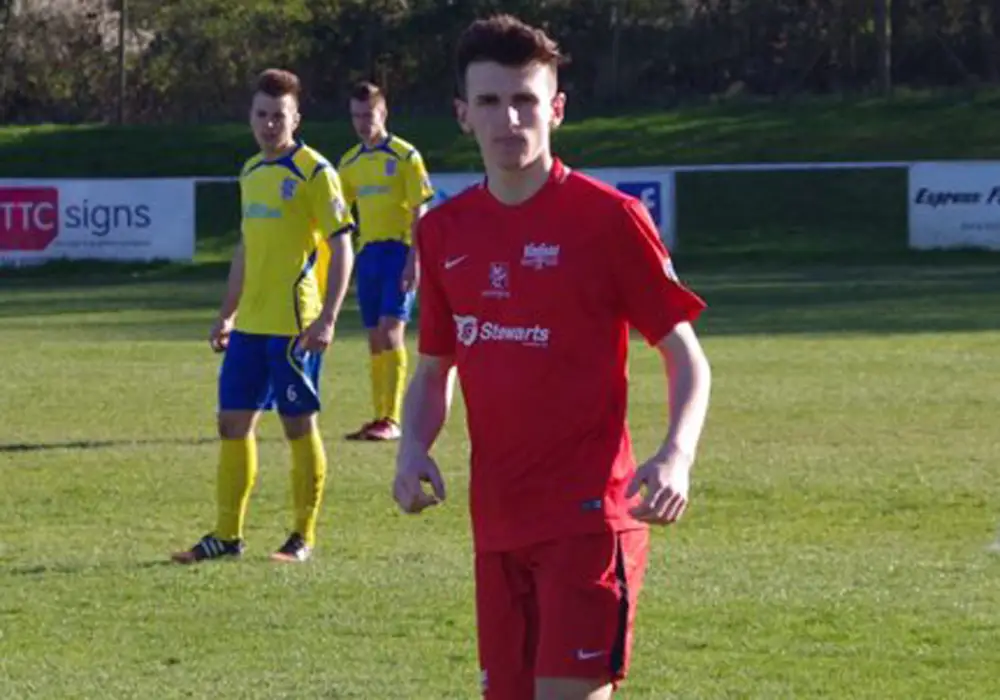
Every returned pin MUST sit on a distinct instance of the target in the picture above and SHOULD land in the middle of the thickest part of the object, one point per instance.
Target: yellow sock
(308, 480)
(236, 476)
(378, 385)
(395, 382)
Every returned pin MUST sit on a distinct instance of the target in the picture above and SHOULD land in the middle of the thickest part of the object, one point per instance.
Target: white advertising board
(954, 205)
(127, 220)
(654, 187)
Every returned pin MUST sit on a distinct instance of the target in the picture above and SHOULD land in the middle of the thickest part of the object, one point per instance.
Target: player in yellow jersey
(385, 178)
(287, 282)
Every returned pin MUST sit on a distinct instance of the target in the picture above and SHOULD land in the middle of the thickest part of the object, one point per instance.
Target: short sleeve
(326, 199)
(652, 298)
(419, 189)
(346, 185)
(436, 323)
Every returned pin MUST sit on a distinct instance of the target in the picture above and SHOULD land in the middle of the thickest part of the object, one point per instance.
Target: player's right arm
(425, 411)
(347, 185)
(223, 326)
(429, 396)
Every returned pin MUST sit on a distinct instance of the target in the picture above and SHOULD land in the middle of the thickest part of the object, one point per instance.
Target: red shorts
(562, 609)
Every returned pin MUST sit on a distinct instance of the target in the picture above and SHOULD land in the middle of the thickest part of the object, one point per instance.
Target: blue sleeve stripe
(290, 164)
(306, 269)
(255, 166)
(387, 148)
(353, 157)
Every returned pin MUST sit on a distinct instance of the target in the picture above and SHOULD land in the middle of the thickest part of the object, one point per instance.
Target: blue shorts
(261, 372)
(379, 268)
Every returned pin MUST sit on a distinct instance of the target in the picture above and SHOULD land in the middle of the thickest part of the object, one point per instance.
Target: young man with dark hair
(287, 281)
(530, 284)
(385, 177)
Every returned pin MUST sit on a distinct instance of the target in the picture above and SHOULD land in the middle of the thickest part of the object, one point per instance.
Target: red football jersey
(535, 302)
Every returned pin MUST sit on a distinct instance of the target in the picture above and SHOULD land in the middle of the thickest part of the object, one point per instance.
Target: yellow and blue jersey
(386, 183)
(291, 206)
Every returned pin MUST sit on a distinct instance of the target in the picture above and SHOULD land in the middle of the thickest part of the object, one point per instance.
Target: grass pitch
(844, 496)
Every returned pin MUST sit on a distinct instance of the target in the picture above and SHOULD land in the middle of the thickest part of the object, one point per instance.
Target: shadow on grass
(938, 293)
(77, 569)
(158, 330)
(15, 447)
(88, 273)
(28, 447)
(147, 307)
(851, 300)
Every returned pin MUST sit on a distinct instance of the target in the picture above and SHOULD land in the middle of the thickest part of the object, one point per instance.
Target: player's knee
(393, 332)
(376, 340)
(235, 425)
(572, 689)
(298, 426)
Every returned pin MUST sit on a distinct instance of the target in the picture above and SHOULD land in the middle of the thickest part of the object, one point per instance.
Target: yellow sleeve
(419, 189)
(326, 199)
(347, 187)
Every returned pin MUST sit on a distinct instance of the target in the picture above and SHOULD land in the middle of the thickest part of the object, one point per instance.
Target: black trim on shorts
(617, 657)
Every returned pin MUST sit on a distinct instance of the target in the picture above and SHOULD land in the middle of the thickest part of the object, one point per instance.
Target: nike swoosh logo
(583, 655)
(448, 264)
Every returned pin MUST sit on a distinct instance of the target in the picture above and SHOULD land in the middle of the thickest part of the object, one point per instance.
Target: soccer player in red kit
(530, 285)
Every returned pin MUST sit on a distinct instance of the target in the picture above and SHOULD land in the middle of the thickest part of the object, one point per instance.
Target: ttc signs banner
(137, 220)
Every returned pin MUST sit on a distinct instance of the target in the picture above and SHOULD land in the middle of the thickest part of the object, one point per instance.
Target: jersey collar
(299, 143)
(558, 174)
(383, 146)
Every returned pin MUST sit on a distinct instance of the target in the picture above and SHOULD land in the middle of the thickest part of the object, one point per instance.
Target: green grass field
(843, 501)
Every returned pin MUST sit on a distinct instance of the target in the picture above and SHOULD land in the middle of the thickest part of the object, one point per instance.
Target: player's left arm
(419, 193)
(662, 309)
(338, 275)
(411, 271)
(689, 378)
(330, 210)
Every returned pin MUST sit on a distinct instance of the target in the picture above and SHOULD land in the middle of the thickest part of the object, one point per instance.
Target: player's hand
(218, 338)
(664, 481)
(414, 468)
(411, 274)
(318, 336)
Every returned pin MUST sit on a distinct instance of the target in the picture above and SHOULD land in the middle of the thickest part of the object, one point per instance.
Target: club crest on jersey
(466, 329)
(540, 255)
(288, 186)
(390, 167)
(499, 281)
